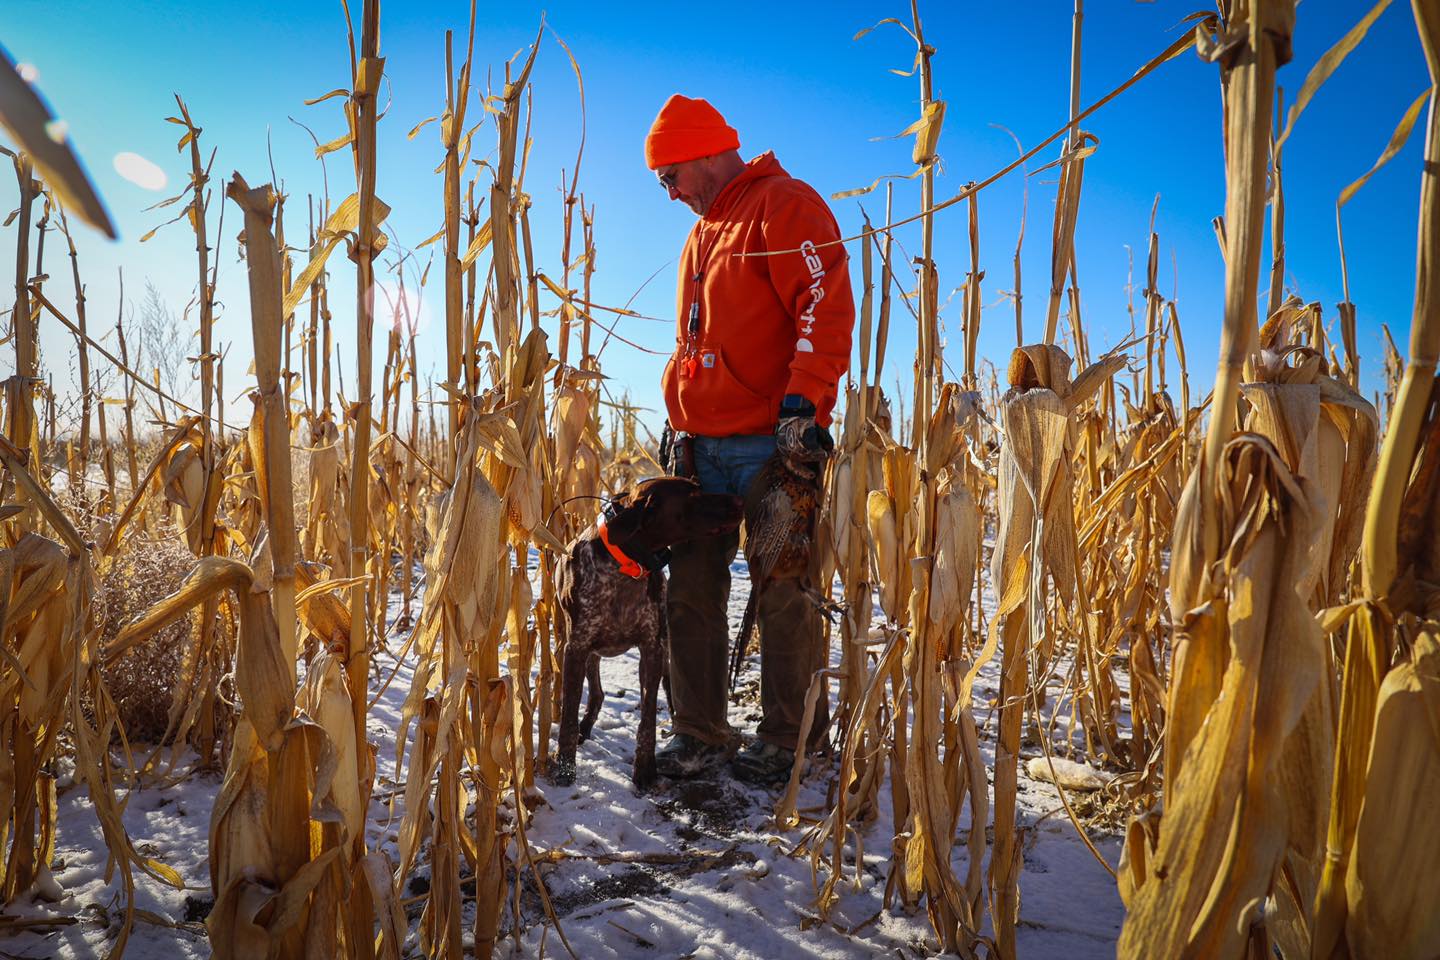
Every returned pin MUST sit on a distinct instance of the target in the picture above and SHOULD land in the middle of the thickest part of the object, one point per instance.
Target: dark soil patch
(705, 809)
(197, 908)
(628, 883)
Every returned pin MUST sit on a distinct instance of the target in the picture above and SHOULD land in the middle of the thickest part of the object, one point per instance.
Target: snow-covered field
(690, 869)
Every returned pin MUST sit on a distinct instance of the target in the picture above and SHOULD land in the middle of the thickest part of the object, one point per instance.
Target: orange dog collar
(628, 565)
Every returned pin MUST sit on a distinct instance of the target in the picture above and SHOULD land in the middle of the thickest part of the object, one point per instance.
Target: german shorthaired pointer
(611, 588)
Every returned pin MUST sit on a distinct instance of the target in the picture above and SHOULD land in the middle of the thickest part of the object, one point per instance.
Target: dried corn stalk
(458, 630)
(465, 708)
(1034, 543)
(1126, 493)
(1228, 819)
(53, 624)
(1252, 44)
(1387, 742)
(854, 473)
(938, 602)
(891, 515)
(34, 685)
(1248, 656)
(1325, 433)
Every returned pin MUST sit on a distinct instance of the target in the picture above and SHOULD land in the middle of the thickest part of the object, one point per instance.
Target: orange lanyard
(702, 259)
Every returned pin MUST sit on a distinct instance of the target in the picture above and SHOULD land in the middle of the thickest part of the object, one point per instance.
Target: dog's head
(669, 510)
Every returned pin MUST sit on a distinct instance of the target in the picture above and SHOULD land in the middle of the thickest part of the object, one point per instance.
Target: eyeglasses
(667, 180)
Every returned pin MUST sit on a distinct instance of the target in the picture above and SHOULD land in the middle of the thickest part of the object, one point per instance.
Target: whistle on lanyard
(693, 328)
(704, 361)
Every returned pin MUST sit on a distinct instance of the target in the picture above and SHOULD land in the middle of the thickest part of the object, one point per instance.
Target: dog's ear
(625, 520)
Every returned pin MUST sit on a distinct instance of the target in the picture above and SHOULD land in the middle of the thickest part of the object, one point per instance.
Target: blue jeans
(729, 464)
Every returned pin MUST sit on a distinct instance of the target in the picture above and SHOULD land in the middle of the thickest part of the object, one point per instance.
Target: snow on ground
(704, 873)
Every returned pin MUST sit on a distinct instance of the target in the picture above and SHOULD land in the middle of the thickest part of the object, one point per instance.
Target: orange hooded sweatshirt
(752, 329)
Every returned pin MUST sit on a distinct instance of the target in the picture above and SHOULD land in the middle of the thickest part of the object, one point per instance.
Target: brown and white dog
(611, 586)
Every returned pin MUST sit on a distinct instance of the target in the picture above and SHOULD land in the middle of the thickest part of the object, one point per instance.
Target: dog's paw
(562, 772)
(643, 776)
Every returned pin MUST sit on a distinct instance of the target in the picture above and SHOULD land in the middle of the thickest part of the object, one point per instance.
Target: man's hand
(801, 443)
(677, 453)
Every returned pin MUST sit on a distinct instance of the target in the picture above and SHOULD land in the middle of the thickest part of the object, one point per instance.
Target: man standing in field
(760, 346)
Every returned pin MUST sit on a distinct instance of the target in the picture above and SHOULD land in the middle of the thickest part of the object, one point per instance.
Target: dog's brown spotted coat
(616, 612)
(606, 612)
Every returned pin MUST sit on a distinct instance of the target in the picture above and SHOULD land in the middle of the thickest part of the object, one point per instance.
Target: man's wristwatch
(795, 405)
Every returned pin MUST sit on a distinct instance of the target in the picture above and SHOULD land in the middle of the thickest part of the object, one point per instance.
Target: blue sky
(789, 77)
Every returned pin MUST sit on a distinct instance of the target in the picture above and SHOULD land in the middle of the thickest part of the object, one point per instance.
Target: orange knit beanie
(687, 129)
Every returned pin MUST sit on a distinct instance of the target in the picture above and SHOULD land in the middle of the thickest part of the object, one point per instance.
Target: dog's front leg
(562, 770)
(596, 698)
(651, 666)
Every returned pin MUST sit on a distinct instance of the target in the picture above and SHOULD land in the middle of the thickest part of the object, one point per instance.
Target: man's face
(693, 182)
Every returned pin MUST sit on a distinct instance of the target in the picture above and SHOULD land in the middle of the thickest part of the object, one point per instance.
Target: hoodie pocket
(741, 401)
(714, 399)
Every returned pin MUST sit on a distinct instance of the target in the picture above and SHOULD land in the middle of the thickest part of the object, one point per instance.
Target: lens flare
(140, 171)
(407, 312)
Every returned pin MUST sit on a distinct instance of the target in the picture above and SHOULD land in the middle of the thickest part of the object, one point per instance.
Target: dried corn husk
(1395, 715)
(1396, 836)
(256, 908)
(184, 485)
(957, 552)
(326, 536)
(1228, 819)
(242, 868)
(1035, 420)
(885, 556)
(35, 621)
(940, 600)
(325, 697)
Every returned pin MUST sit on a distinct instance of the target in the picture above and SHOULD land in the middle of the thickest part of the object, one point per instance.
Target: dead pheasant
(781, 510)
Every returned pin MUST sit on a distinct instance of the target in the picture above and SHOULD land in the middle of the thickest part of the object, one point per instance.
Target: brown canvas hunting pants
(792, 645)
